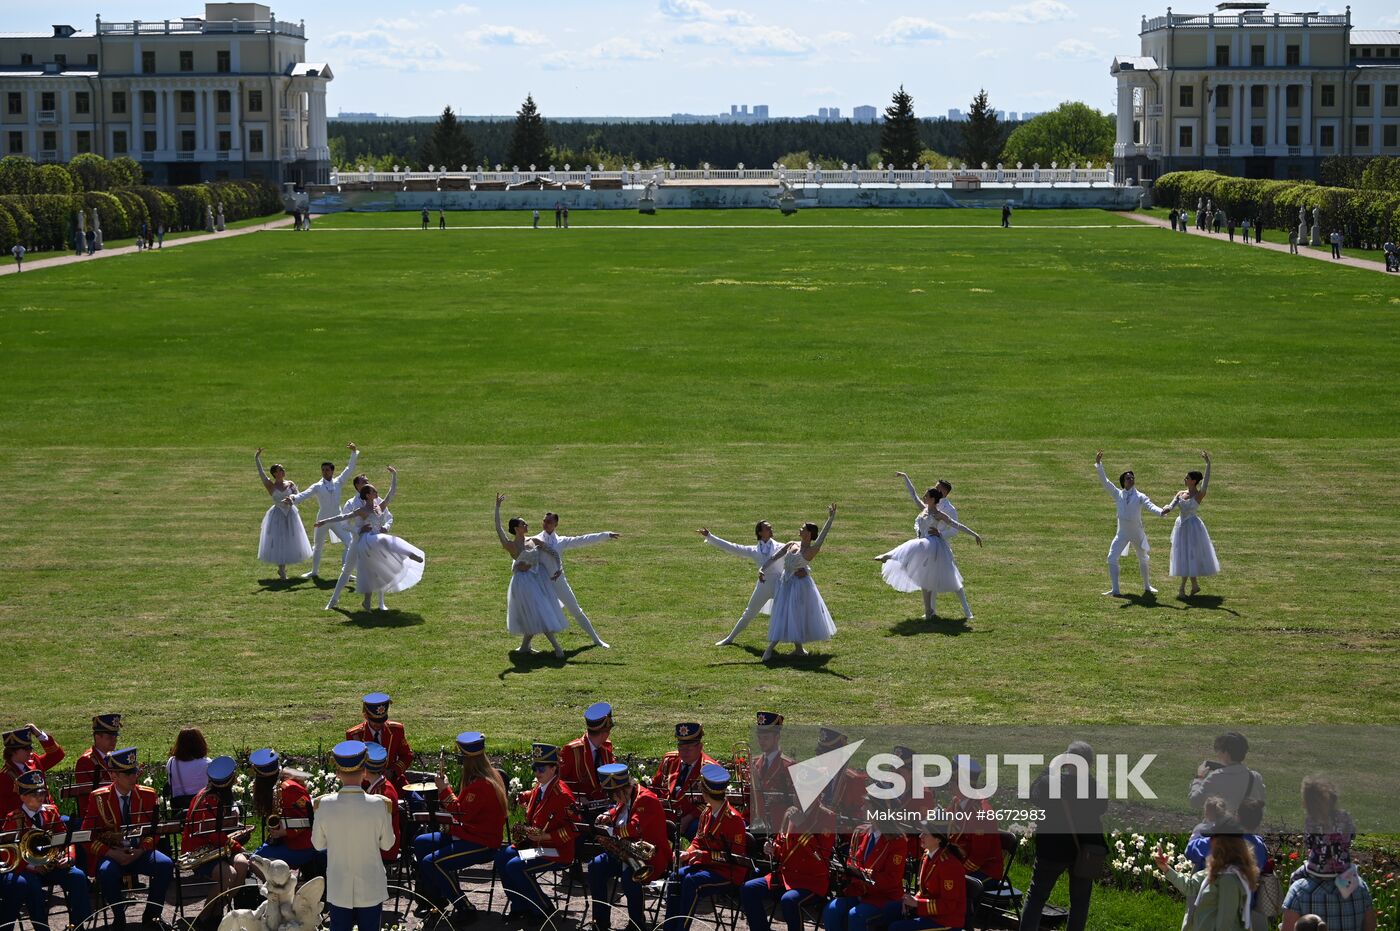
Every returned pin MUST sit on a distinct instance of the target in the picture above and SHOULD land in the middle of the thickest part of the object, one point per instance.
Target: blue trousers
(32, 890)
(366, 919)
(690, 883)
(919, 924)
(756, 895)
(518, 880)
(439, 859)
(153, 864)
(847, 913)
(296, 859)
(601, 870)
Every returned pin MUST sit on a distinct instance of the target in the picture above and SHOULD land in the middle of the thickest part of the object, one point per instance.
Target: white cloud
(910, 30)
(400, 25)
(618, 49)
(700, 11)
(1035, 11)
(1072, 50)
(508, 36)
(761, 41)
(380, 49)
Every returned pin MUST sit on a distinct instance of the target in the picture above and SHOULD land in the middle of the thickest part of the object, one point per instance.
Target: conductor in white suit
(327, 493)
(761, 601)
(1130, 503)
(353, 829)
(561, 581)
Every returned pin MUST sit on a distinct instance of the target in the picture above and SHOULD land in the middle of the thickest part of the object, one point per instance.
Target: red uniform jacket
(646, 820)
(579, 772)
(771, 787)
(802, 861)
(105, 813)
(845, 796)
(684, 797)
(942, 893)
(392, 739)
(202, 826)
(90, 773)
(478, 817)
(9, 789)
(50, 820)
(722, 833)
(883, 859)
(551, 810)
(981, 843)
(384, 787)
(296, 803)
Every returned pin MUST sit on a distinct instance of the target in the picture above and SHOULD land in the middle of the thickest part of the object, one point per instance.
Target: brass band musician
(636, 815)
(281, 797)
(801, 855)
(677, 780)
(581, 758)
(718, 857)
(120, 845)
(30, 882)
(770, 781)
(204, 828)
(478, 810)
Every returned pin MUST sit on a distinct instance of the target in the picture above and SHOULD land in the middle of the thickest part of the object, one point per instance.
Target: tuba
(35, 849)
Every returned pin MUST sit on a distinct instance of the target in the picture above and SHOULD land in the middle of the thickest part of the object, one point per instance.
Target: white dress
(532, 607)
(382, 559)
(924, 563)
(1192, 552)
(283, 540)
(799, 613)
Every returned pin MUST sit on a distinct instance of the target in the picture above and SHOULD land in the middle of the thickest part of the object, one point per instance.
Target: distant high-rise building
(863, 114)
(760, 111)
(1011, 116)
(955, 115)
(822, 113)
(834, 113)
(733, 109)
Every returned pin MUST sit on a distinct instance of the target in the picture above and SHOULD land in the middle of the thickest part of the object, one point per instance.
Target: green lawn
(652, 381)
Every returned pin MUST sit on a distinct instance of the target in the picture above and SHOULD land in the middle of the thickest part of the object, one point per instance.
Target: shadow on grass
(918, 626)
(368, 619)
(526, 663)
(1207, 603)
(812, 662)
(282, 585)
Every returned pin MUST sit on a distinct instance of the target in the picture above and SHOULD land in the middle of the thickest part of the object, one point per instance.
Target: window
(118, 102)
(82, 102)
(1222, 97)
(1363, 95)
(224, 62)
(15, 103)
(148, 140)
(46, 100)
(255, 141)
(1363, 135)
(1329, 95)
(16, 143)
(223, 101)
(186, 101)
(1293, 56)
(1290, 135)
(1188, 96)
(1256, 95)
(92, 59)
(1222, 135)
(1256, 56)
(119, 143)
(26, 59)
(61, 60)
(187, 140)
(84, 141)
(1256, 135)
(187, 60)
(1222, 56)
(225, 140)
(148, 101)
(1389, 135)
(1327, 136)
(1292, 94)
(148, 62)
(1183, 137)
(50, 140)
(1392, 95)
(255, 101)
(1365, 53)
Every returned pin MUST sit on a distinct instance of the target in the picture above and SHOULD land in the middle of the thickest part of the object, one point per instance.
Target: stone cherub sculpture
(285, 907)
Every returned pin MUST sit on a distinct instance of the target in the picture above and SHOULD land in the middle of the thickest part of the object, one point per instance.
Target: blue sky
(650, 57)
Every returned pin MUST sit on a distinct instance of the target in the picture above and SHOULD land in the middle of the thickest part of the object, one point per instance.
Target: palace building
(1255, 93)
(226, 95)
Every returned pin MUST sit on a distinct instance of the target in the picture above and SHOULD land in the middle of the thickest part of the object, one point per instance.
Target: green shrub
(23, 219)
(9, 231)
(53, 179)
(18, 175)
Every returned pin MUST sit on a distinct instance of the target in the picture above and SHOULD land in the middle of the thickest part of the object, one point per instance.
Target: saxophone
(274, 820)
(194, 859)
(634, 852)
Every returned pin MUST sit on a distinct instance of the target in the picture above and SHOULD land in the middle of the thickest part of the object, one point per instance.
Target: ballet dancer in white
(926, 562)
(327, 495)
(799, 613)
(1130, 503)
(761, 601)
(532, 604)
(560, 580)
(386, 563)
(282, 541)
(353, 504)
(1193, 555)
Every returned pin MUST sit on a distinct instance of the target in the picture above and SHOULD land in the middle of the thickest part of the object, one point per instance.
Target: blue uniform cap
(377, 706)
(715, 779)
(471, 743)
(973, 767)
(265, 762)
(769, 719)
(614, 776)
(828, 738)
(376, 758)
(19, 738)
(106, 723)
(544, 755)
(904, 753)
(221, 771)
(598, 716)
(689, 732)
(350, 754)
(123, 761)
(31, 781)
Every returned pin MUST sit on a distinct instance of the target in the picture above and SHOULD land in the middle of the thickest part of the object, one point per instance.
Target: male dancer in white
(327, 495)
(347, 567)
(947, 531)
(761, 601)
(1130, 503)
(561, 581)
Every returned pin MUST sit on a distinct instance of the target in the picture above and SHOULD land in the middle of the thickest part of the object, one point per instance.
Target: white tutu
(799, 613)
(531, 606)
(382, 563)
(923, 564)
(1193, 555)
(283, 540)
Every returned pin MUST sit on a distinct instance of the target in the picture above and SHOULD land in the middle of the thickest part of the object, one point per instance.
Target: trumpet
(518, 837)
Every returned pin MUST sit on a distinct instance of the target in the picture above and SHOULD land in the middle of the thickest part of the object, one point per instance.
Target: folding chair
(998, 898)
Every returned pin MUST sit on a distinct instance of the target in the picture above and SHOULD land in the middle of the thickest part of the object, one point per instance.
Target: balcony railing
(195, 26)
(1246, 19)
(184, 156)
(1154, 109)
(48, 116)
(48, 155)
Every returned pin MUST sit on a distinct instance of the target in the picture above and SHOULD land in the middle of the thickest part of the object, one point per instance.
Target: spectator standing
(1219, 219)
(160, 236)
(18, 252)
(537, 219)
(1219, 894)
(1336, 240)
(566, 216)
(91, 241)
(143, 239)
(442, 219)
(1389, 248)
(558, 215)
(1327, 830)
(1321, 897)
(1245, 229)
(1293, 241)
(1071, 826)
(1171, 216)
(1006, 217)
(187, 768)
(1230, 224)
(1258, 230)
(425, 218)
(1226, 775)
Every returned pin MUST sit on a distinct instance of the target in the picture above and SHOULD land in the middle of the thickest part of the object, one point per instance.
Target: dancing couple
(925, 563)
(385, 563)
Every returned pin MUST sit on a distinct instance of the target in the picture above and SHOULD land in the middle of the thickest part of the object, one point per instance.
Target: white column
(1305, 134)
(199, 144)
(235, 104)
(1377, 92)
(1209, 102)
(32, 126)
(1274, 118)
(1125, 114)
(133, 100)
(1237, 103)
(63, 133)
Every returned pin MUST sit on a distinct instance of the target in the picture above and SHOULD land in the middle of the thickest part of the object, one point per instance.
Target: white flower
(1137, 871)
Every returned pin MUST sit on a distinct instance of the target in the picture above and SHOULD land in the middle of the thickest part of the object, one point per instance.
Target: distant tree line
(1366, 173)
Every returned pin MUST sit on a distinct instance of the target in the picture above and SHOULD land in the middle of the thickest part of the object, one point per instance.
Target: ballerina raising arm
(938, 515)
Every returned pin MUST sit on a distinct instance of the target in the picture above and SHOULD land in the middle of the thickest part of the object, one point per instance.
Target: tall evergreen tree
(899, 137)
(448, 144)
(982, 135)
(529, 140)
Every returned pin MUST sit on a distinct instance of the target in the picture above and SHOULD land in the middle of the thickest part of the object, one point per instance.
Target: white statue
(1317, 227)
(219, 224)
(285, 907)
(96, 229)
(208, 219)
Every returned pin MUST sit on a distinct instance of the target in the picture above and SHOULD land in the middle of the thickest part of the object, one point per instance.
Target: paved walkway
(1324, 254)
(68, 258)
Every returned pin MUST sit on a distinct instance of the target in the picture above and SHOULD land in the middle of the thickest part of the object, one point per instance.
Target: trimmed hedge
(9, 232)
(1365, 218)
